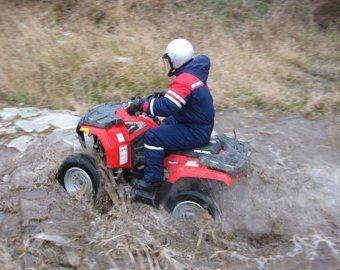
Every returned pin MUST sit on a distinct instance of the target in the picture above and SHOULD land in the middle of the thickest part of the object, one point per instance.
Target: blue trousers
(171, 136)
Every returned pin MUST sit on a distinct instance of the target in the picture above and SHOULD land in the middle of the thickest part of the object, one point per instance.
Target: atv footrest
(143, 196)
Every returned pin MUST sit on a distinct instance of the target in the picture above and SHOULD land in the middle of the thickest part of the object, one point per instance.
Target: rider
(188, 106)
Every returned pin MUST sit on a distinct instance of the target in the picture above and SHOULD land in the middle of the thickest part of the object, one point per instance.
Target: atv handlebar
(157, 94)
(134, 105)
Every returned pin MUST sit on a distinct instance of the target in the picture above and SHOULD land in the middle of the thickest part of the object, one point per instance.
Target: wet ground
(283, 215)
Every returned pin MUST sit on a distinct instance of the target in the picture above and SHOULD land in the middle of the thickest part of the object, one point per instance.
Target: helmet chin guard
(178, 53)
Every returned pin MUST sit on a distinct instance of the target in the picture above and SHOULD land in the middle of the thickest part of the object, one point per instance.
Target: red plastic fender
(115, 140)
(189, 167)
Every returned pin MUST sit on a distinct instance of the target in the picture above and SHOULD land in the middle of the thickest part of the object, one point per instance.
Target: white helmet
(177, 53)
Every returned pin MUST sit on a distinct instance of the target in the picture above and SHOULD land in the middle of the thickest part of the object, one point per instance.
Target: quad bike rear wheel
(78, 174)
(189, 197)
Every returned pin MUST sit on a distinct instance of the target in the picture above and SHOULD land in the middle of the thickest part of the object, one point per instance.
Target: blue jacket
(188, 99)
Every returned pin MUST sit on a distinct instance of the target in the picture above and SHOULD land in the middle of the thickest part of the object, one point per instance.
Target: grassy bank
(72, 54)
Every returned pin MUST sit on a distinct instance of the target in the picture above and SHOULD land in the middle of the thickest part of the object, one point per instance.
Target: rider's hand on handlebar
(157, 94)
(135, 104)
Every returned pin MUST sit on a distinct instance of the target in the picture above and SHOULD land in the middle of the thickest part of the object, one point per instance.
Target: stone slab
(8, 114)
(21, 143)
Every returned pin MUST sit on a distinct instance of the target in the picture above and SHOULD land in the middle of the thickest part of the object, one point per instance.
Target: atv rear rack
(235, 159)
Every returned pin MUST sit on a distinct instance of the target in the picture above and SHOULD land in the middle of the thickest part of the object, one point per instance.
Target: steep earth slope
(284, 215)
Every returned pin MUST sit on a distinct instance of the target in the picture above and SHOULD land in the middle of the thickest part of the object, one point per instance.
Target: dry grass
(71, 54)
(6, 260)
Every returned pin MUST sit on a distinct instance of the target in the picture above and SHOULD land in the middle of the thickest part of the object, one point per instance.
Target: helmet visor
(166, 63)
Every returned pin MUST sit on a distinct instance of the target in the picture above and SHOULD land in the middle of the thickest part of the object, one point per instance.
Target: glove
(135, 104)
(159, 93)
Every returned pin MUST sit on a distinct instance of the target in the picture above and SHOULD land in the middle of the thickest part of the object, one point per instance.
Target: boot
(147, 186)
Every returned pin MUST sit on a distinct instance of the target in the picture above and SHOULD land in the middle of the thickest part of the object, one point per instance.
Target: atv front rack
(102, 115)
(235, 159)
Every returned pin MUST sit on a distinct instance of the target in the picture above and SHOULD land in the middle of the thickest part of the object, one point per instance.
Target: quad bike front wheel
(78, 174)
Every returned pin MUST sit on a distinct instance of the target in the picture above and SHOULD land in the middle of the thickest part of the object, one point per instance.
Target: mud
(283, 215)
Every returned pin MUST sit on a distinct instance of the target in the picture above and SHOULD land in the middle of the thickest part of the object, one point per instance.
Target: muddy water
(284, 215)
(291, 196)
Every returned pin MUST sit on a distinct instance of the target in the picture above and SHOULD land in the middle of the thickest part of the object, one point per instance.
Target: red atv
(192, 176)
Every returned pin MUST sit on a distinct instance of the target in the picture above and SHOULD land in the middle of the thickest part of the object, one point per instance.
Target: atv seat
(213, 147)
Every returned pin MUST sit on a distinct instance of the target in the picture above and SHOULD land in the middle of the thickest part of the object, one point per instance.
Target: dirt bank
(284, 215)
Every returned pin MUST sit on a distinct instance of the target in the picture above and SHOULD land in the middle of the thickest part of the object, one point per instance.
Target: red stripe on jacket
(184, 84)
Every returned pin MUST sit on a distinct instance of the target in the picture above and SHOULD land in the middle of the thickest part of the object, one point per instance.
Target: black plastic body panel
(103, 115)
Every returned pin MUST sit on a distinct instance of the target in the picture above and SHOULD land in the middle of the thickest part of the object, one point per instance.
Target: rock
(21, 143)
(40, 120)
(66, 139)
(72, 140)
(26, 125)
(65, 121)
(32, 125)
(8, 114)
(6, 178)
(58, 239)
(8, 130)
(28, 112)
(41, 128)
(34, 121)
(45, 120)
(62, 120)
